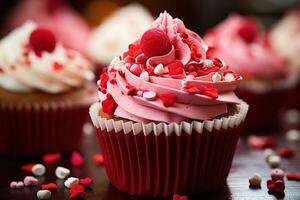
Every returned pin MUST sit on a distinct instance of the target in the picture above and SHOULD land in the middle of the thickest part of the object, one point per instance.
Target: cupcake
(113, 35)
(45, 92)
(56, 16)
(241, 43)
(285, 38)
(168, 120)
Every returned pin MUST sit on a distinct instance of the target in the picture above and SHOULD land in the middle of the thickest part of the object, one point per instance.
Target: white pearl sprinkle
(38, 170)
(293, 135)
(216, 77)
(62, 172)
(70, 181)
(229, 77)
(43, 194)
(140, 93)
(208, 63)
(274, 161)
(269, 152)
(144, 75)
(159, 69)
(149, 96)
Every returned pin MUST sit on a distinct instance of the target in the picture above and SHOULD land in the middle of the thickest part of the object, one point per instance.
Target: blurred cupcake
(241, 43)
(44, 93)
(67, 25)
(285, 38)
(114, 34)
(168, 120)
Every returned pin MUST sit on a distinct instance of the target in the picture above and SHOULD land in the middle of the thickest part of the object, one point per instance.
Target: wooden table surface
(247, 162)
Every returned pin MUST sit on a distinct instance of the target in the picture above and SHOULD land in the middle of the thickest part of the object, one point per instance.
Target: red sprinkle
(109, 105)
(178, 197)
(103, 80)
(293, 176)
(261, 142)
(167, 98)
(27, 167)
(86, 181)
(57, 66)
(98, 158)
(76, 191)
(131, 90)
(49, 186)
(276, 186)
(175, 68)
(286, 152)
(51, 158)
(134, 50)
(209, 90)
(76, 159)
(42, 39)
(155, 42)
(248, 30)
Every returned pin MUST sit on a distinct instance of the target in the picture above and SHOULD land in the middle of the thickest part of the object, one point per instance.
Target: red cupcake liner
(31, 130)
(148, 163)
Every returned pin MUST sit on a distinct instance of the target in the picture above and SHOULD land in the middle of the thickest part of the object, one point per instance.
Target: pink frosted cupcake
(285, 38)
(113, 35)
(44, 93)
(240, 42)
(168, 120)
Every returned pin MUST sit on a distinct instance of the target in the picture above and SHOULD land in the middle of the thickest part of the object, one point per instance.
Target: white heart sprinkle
(159, 69)
(62, 172)
(149, 96)
(43, 194)
(145, 76)
(70, 181)
(216, 77)
(38, 169)
(229, 77)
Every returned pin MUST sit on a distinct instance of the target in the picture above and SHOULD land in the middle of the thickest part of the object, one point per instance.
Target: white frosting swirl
(52, 72)
(112, 37)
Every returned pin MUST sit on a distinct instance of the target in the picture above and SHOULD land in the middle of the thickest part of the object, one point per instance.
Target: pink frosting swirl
(183, 84)
(240, 43)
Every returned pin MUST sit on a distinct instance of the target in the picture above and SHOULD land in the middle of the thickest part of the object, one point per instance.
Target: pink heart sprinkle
(76, 159)
(30, 181)
(86, 181)
(16, 185)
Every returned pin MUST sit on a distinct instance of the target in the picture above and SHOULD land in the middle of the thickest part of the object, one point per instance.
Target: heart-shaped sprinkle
(109, 105)
(51, 158)
(286, 152)
(86, 181)
(168, 99)
(49, 186)
(178, 197)
(150, 96)
(42, 39)
(76, 191)
(30, 181)
(27, 167)
(98, 158)
(16, 185)
(76, 159)
(293, 176)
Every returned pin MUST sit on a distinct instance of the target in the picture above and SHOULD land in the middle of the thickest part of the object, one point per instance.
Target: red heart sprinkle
(76, 191)
(194, 53)
(42, 39)
(27, 167)
(178, 197)
(248, 30)
(98, 158)
(76, 159)
(51, 158)
(209, 90)
(134, 50)
(131, 90)
(86, 181)
(261, 142)
(57, 66)
(155, 42)
(286, 152)
(175, 68)
(293, 176)
(109, 105)
(168, 99)
(49, 186)
(103, 80)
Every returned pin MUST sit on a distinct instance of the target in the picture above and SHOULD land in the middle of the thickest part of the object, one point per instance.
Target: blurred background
(197, 14)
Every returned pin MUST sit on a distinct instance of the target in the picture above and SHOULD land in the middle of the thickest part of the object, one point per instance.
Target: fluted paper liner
(34, 129)
(159, 160)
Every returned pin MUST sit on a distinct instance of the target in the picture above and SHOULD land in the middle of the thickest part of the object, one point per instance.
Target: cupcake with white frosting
(45, 90)
(168, 114)
(113, 35)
